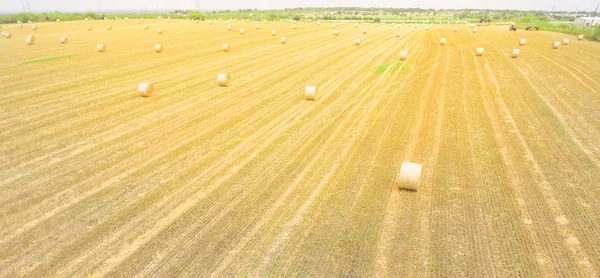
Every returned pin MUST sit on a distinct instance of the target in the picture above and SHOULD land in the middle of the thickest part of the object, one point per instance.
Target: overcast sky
(153, 5)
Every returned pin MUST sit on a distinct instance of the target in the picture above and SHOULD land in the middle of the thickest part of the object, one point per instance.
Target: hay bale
(19, 22)
(479, 51)
(283, 40)
(442, 41)
(158, 48)
(30, 40)
(139, 21)
(355, 25)
(29, 21)
(34, 27)
(145, 89)
(152, 20)
(522, 42)
(310, 93)
(7, 35)
(294, 26)
(89, 28)
(403, 55)
(228, 26)
(409, 176)
(108, 27)
(580, 37)
(210, 22)
(357, 41)
(555, 45)
(397, 34)
(159, 30)
(440, 28)
(475, 30)
(336, 32)
(145, 27)
(101, 48)
(57, 20)
(364, 30)
(515, 53)
(426, 28)
(257, 26)
(86, 18)
(565, 41)
(225, 47)
(20, 25)
(197, 21)
(64, 40)
(242, 31)
(168, 20)
(223, 80)
(455, 29)
(274, 32)
(105, 18)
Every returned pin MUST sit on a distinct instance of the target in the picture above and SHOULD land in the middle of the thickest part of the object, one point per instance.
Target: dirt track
(253, 180)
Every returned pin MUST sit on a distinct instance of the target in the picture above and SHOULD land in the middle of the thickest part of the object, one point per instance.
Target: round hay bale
(364, 30)
(197, 21)
(7, 35)
(355, 25)
(555, 45)
(145, 89)
(57, 20)
(152, 20)
(223, 80)
(225, 47)
(257, 26)
(158, 48)
(442, 41)
(139, 21)
(89, 28)
(336, 32)
(142, 19)
(283, 40)
(29, 21)
(515, 53)
(105, 18)
(294, 26)
(242, 31)
(426, 28)
(101, 48)
(86, 18)
(310, 93)
(29, 41)
(522, 42)
(168, 20)
(64, 40)
(19, 22)
(455, 29)
(565, 41)
(228, 26)
(409, 176)
(34, 27)
(397, 34)
(159, 30)
(108, 27)
(479, 51)
(274, 32)
(474, 30)
(20, 25)
(440, 28)
(580, 37)
(210, 22)
(145, 27)
(403, 55)
(357, 41)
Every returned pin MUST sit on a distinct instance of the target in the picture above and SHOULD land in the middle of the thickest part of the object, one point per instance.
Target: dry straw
(522, 42)
(257, 26)
(515, 53)
(223, 79)
(108, 27)
(403, 55)
(145, 89)
(410, 175)
(30, 40)
(158, 48)
(7, 35)
(228, 26)
(242, 31)
(101, 48)
(274, 32)
(357, 42)
(283, 40)
(145, 27)
(555, 45)
(443, 41)
(225, 47)
(580, 37)
(159, 30)
(336, 32)
(294, 26)
(565, 41)
(34, 27)
(397, 34)
(64, 40)
(479, 51)
(310, 93)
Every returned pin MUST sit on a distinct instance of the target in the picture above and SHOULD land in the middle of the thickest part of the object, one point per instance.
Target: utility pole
(594, 17)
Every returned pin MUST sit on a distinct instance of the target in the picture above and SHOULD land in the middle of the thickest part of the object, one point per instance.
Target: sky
(12, 6)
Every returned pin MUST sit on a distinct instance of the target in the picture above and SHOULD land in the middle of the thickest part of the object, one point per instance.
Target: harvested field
(254, 180)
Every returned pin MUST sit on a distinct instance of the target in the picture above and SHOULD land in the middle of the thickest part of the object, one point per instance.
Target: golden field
(254, 180)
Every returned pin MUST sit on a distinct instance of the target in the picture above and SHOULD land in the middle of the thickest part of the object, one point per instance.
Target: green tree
(196, 16)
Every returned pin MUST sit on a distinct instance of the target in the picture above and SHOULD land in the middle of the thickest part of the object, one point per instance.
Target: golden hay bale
(228, 26)
(7, 35)
(145, 27)
(64, 40)
(357, 41)
(225, 47)
(168, 20)
(159, 30)
(274, 32)
(57, 20)
(409, 176)
(89, 28)
(210, 22)
(522, 42)
(152, 20)
(19, 22)
(397, 34)
(197, 21)
(310, 93)
(242, 31)
(479, 51)
(257, 26)
(580, 37)
(426, 28)
(475, 30)
(565, 41)
(86, 18)
(364, 30)
(29, 41)
(158, 48)
(101, 48)
(108, 27)
(336, 32)
(555, 45)
(145, 89)
(34, 27)
(515, 53)
(105, 18)
(29, 21)
(442, 41)
(223, 79)
(403, 55)
(283, 40)
(294, 26)
(355, 25)
(440, 28)
(455, 29)
(139, 21)
(20, 25)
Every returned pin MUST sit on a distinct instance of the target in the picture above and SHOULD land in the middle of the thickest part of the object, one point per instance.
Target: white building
(587, 21)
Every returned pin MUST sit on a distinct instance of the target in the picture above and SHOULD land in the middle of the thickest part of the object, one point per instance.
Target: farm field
(254, 180)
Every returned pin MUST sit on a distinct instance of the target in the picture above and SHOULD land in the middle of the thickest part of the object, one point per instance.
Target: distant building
(587, 21)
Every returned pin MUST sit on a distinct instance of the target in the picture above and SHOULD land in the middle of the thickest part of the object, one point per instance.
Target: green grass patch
(48, 59)
(404, 67)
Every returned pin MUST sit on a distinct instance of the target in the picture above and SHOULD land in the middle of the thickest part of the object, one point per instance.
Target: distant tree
(297, 18)
(196, 15)
(378, 20)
